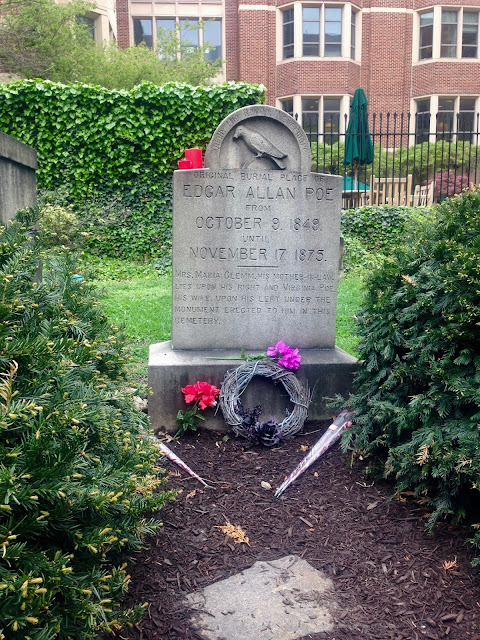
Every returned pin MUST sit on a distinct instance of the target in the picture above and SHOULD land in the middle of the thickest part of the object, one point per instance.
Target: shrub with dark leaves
(417, 395)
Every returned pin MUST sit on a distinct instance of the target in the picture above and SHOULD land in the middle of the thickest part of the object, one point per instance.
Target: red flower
(201, 392)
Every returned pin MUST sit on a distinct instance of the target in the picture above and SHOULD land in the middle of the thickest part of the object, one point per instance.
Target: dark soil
(392, 580)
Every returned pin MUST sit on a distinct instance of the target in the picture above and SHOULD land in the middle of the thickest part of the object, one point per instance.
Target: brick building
(417, 56)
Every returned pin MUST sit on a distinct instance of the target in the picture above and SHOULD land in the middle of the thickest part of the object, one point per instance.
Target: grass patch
(143, 306)
(350, 293)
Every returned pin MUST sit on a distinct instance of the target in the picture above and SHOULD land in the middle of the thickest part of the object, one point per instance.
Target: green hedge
(417, 394)
(373, 233)
(77, 476)
(111, 153)
(88, 136)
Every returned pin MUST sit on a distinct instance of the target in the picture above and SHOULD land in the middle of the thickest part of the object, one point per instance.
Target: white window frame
(178, 19)
(434, 110)
(298, 114)
(346, 48)
(437, 34)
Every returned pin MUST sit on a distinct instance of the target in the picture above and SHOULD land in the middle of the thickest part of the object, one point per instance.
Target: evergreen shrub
(417, 395)
(371, 233)
(77, 475)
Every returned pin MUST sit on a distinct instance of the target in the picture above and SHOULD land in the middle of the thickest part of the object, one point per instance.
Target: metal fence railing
(418, 160)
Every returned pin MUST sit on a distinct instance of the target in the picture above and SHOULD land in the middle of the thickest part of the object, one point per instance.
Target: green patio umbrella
(358, 143)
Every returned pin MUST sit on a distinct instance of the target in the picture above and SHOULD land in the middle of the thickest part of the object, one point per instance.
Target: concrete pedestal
(326, 371)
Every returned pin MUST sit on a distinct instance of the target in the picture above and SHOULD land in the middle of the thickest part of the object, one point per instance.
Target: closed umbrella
(358, 142)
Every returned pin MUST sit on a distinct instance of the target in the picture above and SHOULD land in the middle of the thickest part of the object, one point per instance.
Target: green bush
(111, 153)
(372, 233)
(88, 137)
(135, 223)
(76, 472)
(417, 395)
(61, 226)
(421, 160)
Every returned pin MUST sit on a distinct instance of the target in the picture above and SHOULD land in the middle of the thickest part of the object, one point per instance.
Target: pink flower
(291, 359)
(278, 350)
(287, 356)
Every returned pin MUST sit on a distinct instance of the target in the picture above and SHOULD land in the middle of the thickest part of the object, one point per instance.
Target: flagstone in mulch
(392, 581)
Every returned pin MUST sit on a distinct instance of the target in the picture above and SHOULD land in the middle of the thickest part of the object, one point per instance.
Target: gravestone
(256, 242)
(18, 163)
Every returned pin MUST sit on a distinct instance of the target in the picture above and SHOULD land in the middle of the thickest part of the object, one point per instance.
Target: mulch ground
(392, 580)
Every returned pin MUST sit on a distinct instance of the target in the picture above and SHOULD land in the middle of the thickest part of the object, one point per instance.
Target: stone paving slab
(284, 599)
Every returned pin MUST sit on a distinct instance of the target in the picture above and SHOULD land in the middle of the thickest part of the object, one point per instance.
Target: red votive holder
(195, 157)
(184, 164)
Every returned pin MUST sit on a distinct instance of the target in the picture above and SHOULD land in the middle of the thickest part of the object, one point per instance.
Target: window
(321, 117)
(310, 113)
(142, 32)
(288, 34)
(466, 119)
(331, 120)
(426, 35)
(470, 34)
(448, 118)
(326, 31)
(333, 31)
(189, 34)
(212, 35)
(445, 118)
(448, 45)
(311, 31)
(448, 33)
(422, 121)
(89, 24)
(167, 24)
(192, 34)
(287, 105)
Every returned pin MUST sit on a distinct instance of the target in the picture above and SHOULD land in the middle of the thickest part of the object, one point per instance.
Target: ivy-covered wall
(88, 135)
(111, 153)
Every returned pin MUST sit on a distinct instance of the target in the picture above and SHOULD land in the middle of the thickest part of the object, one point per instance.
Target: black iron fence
(418, 160)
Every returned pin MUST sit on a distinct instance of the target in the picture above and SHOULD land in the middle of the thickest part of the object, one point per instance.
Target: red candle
(195, 157)
(184, 164)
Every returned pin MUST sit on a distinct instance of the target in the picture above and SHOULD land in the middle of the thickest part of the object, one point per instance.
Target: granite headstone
(256, 242)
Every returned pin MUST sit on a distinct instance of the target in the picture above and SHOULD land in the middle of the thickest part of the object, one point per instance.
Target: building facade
(410, 56)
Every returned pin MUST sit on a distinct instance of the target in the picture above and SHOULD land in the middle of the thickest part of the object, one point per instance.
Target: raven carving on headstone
(261, 147)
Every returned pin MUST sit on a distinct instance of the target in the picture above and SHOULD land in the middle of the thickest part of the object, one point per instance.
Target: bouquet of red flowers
(203, 395)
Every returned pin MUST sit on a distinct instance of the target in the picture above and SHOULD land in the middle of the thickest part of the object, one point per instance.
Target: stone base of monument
(326, 371)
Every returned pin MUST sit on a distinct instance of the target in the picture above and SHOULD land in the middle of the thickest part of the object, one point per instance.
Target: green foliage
(41, 39)
(135, 223)
(88, 137)
(115, 68)
(372, 233)
(187, 420)
(143, 305)
(110, 154)
(421, 160)
(77, 474)
(60, 226)
(95, 267)
(417, 395)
